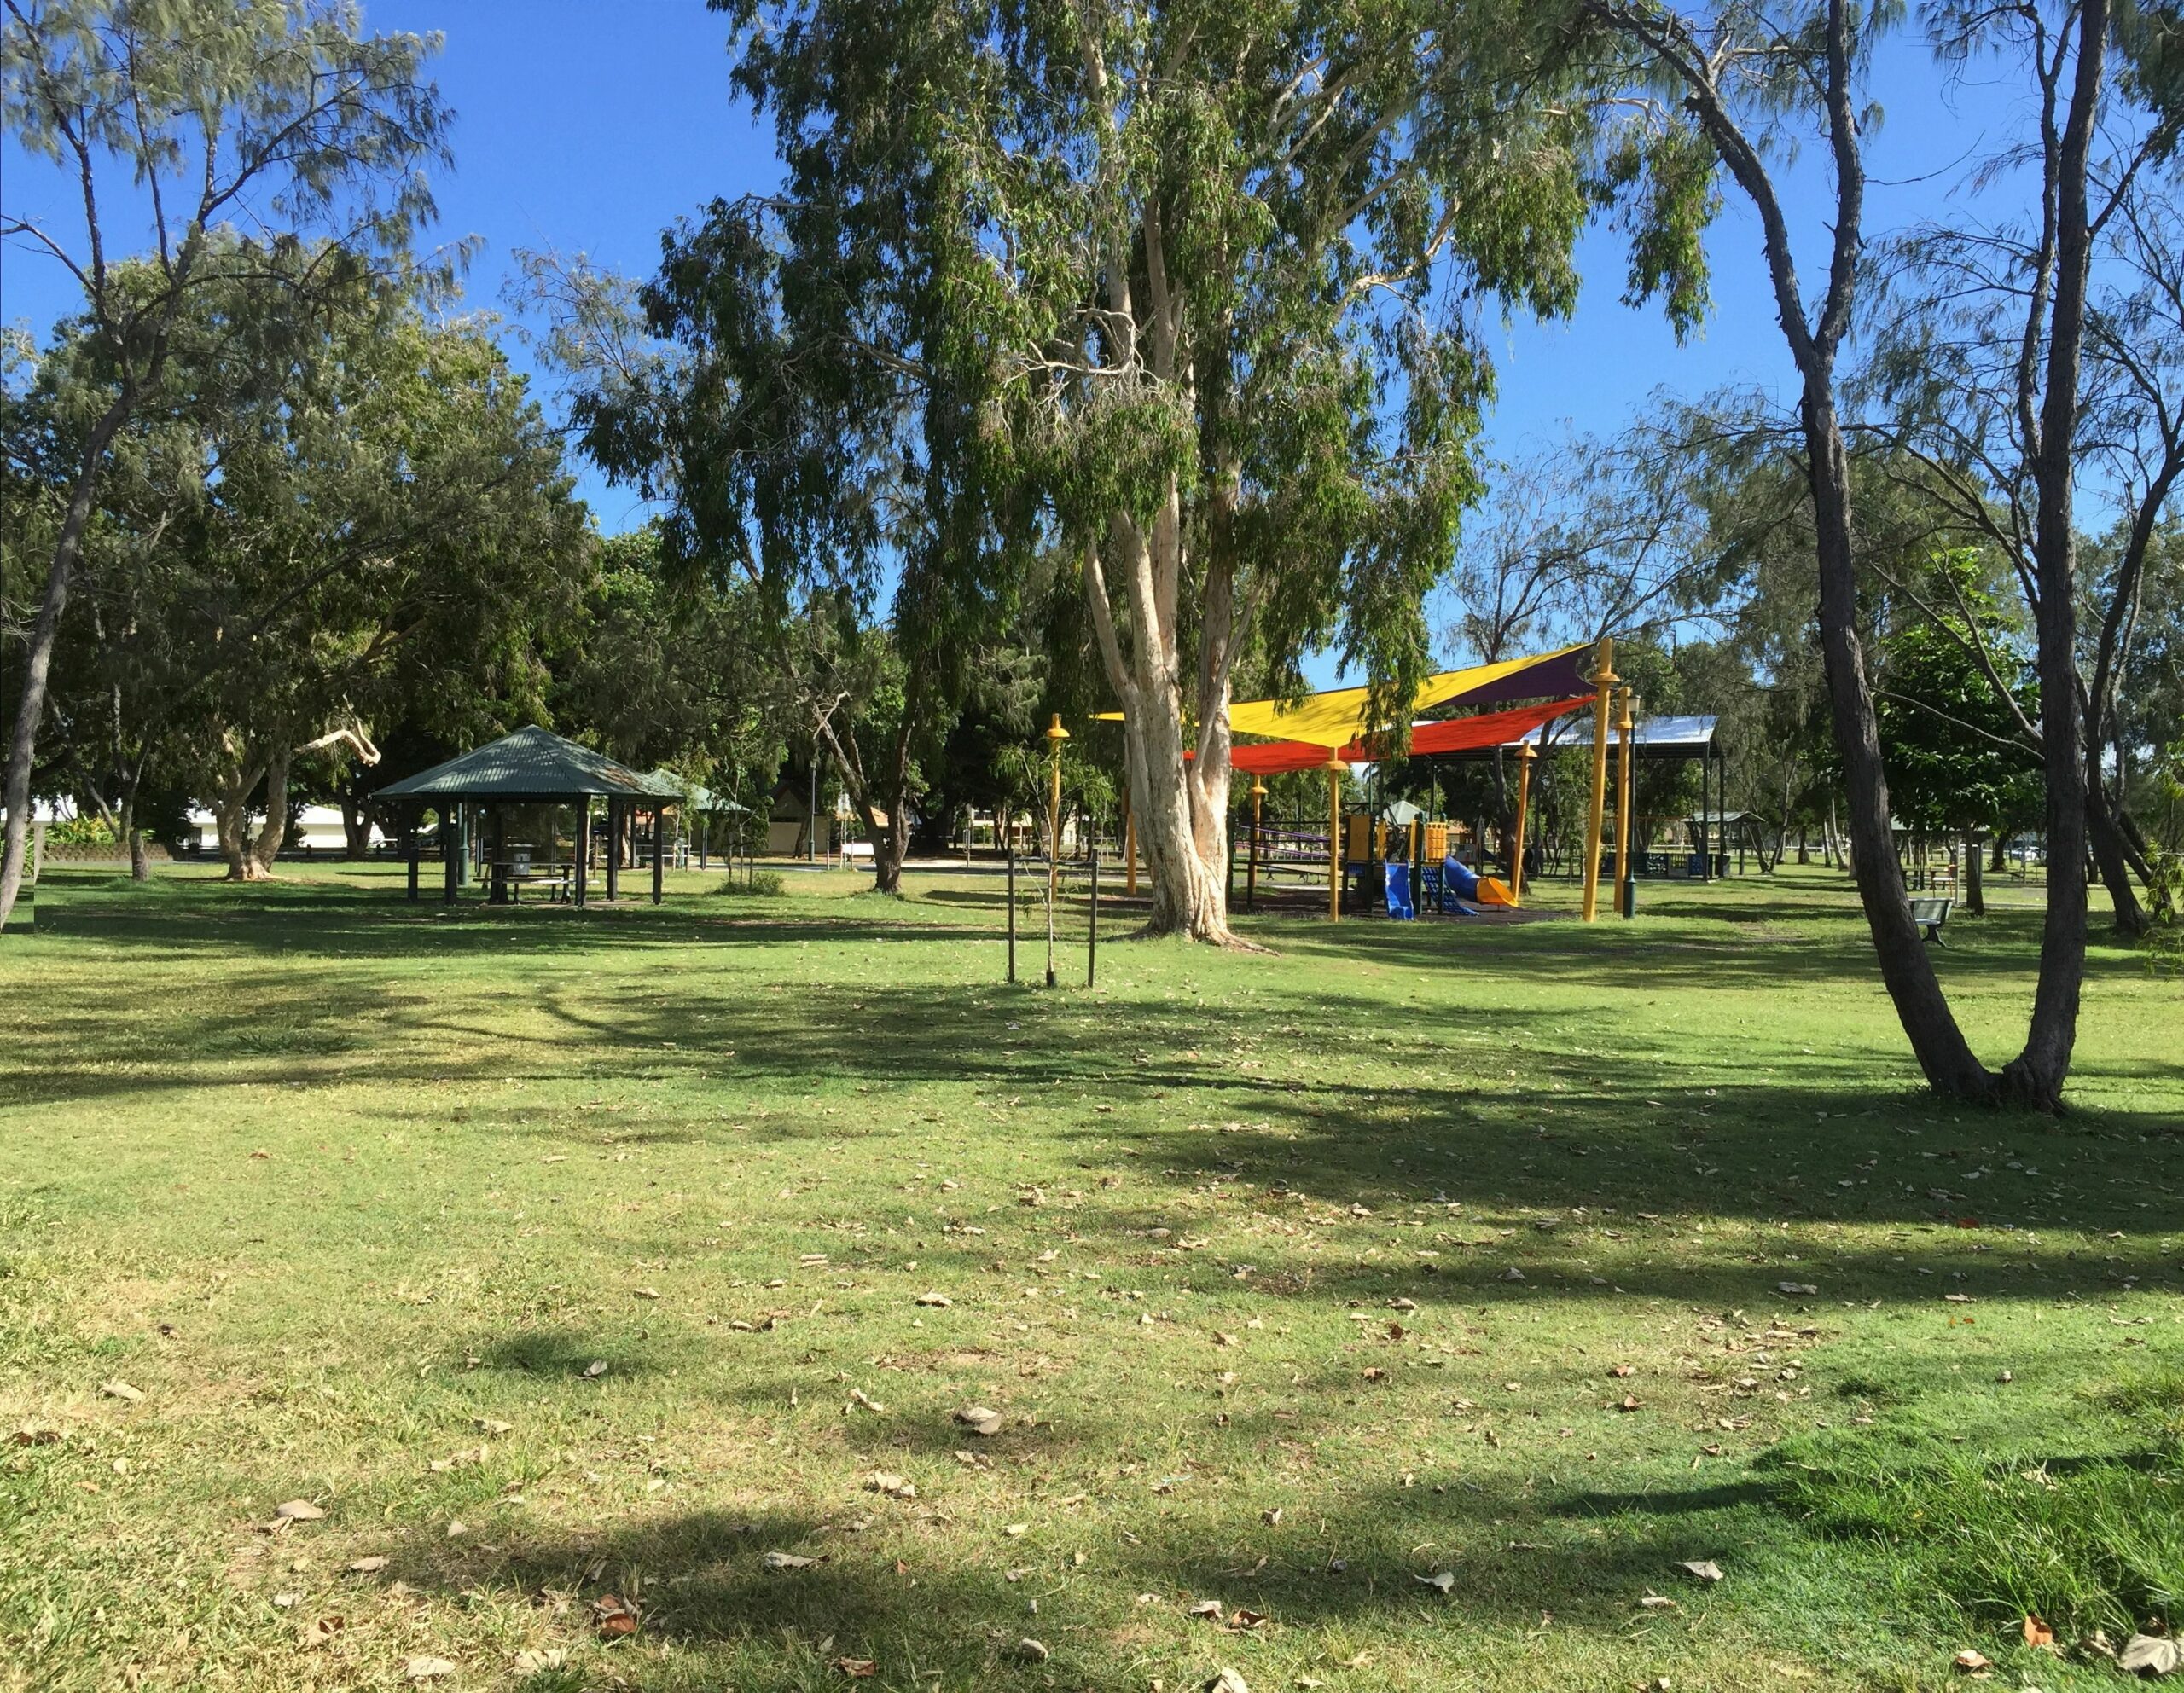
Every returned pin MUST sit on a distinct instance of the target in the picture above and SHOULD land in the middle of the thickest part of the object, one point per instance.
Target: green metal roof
(532, 763)
(696, 796)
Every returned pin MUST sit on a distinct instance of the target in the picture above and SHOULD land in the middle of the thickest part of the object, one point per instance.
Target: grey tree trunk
(45, 632)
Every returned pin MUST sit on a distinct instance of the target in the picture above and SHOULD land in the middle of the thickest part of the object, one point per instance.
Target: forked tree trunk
(2111, 858)
(275, 829)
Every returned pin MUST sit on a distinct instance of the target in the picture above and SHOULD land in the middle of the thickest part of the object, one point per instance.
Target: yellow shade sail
(1338, 717)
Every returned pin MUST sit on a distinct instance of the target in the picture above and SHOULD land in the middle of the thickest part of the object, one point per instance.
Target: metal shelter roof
(696, 796)
(1657, 737)
(532, 763)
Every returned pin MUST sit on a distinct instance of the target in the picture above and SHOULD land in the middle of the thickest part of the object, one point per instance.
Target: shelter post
(659, 849)
(582, 848)
(416, 849)
(1625, 891)
(1604, 680)
(1252, 871)
(613, 846)
(1335, 767)
(1009, 839)
(450, 852)
(1055, 736)
(1092, 916)
(1525, 755)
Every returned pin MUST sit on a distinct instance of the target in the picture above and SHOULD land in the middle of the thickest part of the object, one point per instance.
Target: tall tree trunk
(355, 825)
(2110, 857)
(1907, 968)
(275, 829)
(1181, 806)
(2035, 1076)
(1975, 889)
(239, 780)
(45, 632)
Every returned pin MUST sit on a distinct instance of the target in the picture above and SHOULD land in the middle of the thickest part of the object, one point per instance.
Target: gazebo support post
(578, 871)
(659, 853)
(613, 847)
(1625, 889)
(450, 852)
(416, 850)
(1335, 767)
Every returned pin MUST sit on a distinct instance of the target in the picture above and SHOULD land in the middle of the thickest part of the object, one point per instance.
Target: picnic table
(508, 877)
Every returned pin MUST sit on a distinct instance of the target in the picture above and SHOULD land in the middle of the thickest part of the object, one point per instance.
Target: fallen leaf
(120, 1389)
(1243, 1621)
(939, 1301)
(1656, 1601)
(1213, 1607)
(787, 1561)
(1957, 1298)
(1795, 1287)
(886, 1482)
(2150, 1655)
(492, 1426)
(36, 1435)
(2038, 1633)
(1629, 1402)
(367, 1566)
(1271, 1518)
(1032, 1651)
(979, 1420)
(321, 1630)
(857, 1668)
(613, 1617)
(428, 1669)
(1704, 1568)
(1972, 1658)
(595, 1370)
(1227, 1681)
(298, 1510)
(1441, 1580)
(1622, 1371)
(536, 1661)
(457, 1528)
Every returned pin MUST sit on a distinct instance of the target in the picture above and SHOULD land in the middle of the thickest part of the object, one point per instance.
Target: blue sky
(591, 128)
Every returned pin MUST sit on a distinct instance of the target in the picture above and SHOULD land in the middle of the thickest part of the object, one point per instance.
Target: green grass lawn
(556, 1256)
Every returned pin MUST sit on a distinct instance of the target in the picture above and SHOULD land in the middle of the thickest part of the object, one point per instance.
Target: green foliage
(1956, 748)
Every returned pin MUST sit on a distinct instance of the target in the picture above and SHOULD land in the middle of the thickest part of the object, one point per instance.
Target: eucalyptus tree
(204, 114)
(1742, 77)
(1215, 286)
(1957, 374)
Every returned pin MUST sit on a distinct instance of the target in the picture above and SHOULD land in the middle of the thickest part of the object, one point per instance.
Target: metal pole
(584, 843)
(659, 849)
(1525, 757)
(1604, 680)
(1092, 932)
(1252, 873)
(1012, 902)
(1625, 891)
(450, 852)
(1335, 767)
(1055, 736)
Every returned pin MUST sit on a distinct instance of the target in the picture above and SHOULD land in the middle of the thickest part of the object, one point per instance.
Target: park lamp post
(1055, 736)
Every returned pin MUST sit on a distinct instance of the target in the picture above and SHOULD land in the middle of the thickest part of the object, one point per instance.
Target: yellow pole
(1252, 873)
(1055, 736)
(1623, 804)
(1525, 754)
(1604, 680)
(1335, 767)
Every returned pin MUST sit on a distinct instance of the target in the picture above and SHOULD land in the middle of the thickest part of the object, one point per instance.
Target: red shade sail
(1458, 734)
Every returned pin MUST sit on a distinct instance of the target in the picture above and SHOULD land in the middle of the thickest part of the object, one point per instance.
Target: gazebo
(522, 778)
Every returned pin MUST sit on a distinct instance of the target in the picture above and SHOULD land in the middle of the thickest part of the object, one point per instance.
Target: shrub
(758, 884)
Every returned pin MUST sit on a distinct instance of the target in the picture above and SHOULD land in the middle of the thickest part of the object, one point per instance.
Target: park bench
(1930, 914)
